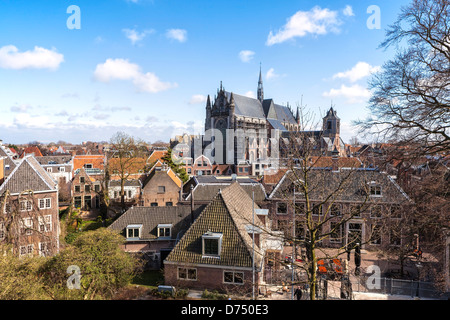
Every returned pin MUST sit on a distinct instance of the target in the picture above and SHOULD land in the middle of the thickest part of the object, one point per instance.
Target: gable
(28, 175)
(215, 218)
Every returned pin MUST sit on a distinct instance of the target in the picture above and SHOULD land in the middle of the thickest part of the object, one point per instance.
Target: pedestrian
(298, 293)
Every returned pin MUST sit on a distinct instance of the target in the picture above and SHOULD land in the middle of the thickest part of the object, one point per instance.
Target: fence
(391, 286)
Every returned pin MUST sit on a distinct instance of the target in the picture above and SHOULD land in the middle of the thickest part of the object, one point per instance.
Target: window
(161, 189)
(81, 179)
(87, 188)
(77, 202)
(2, 231)
(317, 210)
(375, 190)
(77, 189)
(212, 242)
(375, 211)
(26, 250)
(26, 226)
(300, 208)
(129, 194)
(26, 205)
(169, 204)
(62, 169)
(187, 273)
(134, 231)
(43, 249)
(336, 232)
(97, 188)
(281, 208)
(49, 169)
(45, 223)
(335, 210)
(396, 212)
(154, 204)
(164, 230)
(233, 277)
(395, 236)
(88, 166)
(45, 203)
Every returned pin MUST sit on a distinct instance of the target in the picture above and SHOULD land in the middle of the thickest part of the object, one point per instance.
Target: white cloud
(177, 34)
(348, 11)
(134, 36)
(23, 108)
(353, 94)
(38, 58)
(246, 55)
(270, 74)
(250, 94)
(197, 99)
(121, 69)
(359, 71)
(317, 21)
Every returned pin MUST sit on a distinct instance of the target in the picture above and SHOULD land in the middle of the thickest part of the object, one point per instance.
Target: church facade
(247, 132)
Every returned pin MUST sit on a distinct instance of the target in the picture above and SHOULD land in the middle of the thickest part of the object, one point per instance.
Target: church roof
(247, 107)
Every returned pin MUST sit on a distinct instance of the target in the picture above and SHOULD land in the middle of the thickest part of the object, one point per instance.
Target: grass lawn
(150, 279)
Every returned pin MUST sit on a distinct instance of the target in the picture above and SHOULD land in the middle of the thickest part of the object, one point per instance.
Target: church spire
(260, 86)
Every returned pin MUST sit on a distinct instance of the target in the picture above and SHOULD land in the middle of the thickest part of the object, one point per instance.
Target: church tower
(331, 130)
(260, 93)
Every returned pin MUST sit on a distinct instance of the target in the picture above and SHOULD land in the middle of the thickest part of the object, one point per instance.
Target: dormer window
(164, 230)
(375, 190)
(211, 244)
(134, 231)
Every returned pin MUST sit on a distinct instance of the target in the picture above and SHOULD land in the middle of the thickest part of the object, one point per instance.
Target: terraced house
(29, 203)
(354, 205)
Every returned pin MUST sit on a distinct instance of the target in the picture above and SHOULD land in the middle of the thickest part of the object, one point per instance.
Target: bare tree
(125, 150)
(317, 199)
(411, 100)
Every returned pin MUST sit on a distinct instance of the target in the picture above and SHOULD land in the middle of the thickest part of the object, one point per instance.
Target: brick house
(152, 232)
(85, 191)
(29, 197)
(365, 199)
(216, 252)
(161, 188)
(60, 168)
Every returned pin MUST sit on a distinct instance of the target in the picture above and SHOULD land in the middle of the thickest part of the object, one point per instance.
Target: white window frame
(45, 223)
(133, 227)
(376, 186)
(164, 226)
(45, 203)
(212, 236)
(26, 205)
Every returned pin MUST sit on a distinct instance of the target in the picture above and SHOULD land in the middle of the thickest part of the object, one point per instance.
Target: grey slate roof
(354, 184)
(150, 217)
(207, 187)
(245, 106)
(45, 160)
(277, 125)
(28, 175)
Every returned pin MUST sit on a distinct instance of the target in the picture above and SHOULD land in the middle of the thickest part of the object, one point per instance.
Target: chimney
(2, 170)
(192, 204)
(335, 160)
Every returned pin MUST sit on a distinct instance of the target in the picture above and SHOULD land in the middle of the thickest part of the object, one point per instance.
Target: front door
(354, 233)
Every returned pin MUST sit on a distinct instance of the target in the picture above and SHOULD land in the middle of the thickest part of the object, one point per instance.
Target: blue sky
(146, 66)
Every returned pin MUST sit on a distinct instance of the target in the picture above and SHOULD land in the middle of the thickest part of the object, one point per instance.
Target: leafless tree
(411, 99)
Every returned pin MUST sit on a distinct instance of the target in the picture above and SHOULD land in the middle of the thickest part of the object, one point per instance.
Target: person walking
(298, 293)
